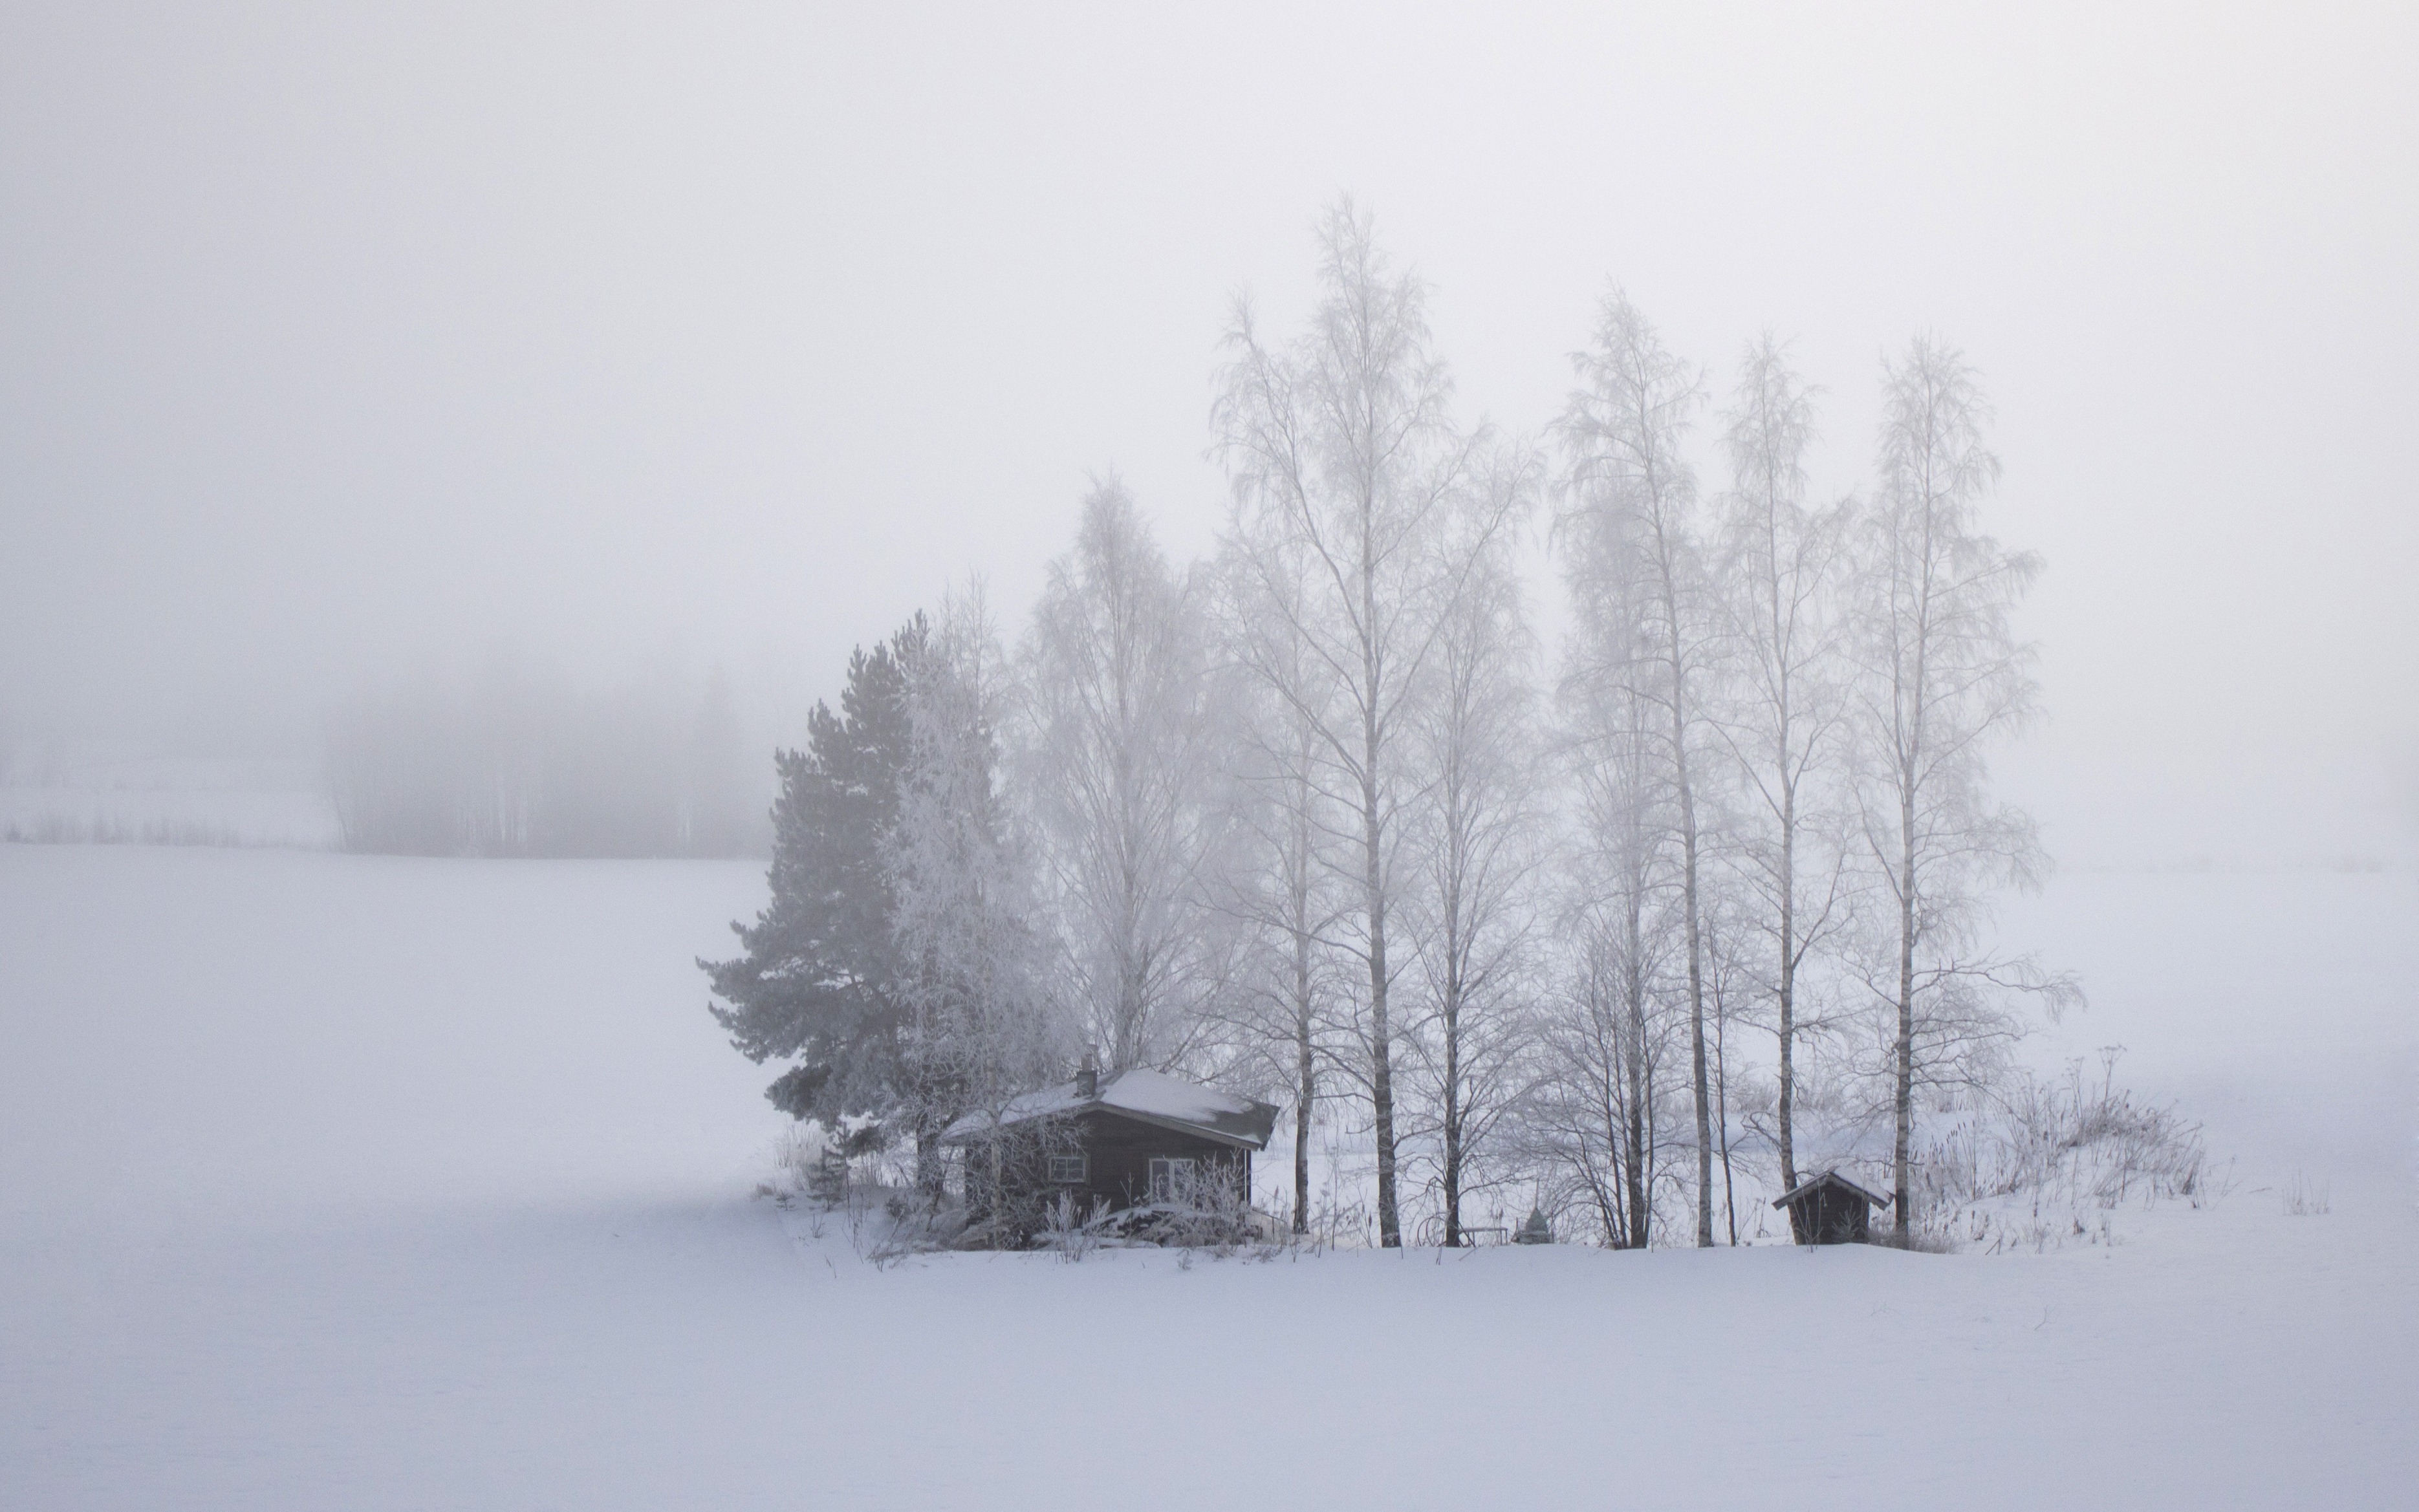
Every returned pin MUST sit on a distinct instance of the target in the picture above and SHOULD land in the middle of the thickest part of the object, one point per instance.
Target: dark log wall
(1117, 1169)
(1120, 1151)
(1827, 1216)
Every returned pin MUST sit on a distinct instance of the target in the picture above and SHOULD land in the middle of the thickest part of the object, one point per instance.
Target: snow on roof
(1831, 1178)
(1151, 1096)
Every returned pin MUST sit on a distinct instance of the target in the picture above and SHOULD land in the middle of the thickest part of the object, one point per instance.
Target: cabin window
(1066, 1167)
(1171, 1180)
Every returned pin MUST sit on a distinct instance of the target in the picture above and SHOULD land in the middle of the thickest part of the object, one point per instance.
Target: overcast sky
(336, 342)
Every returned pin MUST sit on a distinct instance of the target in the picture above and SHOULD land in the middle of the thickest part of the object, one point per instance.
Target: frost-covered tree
(974, 1026)
(818, 981)
(1597, 1112)
(1780, 582)
(1478, 844)
(1941, 674)
(1638, 556)
(1282, 885)
(1731, 1004)
(1121, 766)
(1344, 457)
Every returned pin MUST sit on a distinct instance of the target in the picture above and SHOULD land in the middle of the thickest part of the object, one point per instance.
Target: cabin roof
(1146, 1096)
(1829, 1179)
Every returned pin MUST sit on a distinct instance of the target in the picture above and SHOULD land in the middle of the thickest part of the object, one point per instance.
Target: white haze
(338, 346)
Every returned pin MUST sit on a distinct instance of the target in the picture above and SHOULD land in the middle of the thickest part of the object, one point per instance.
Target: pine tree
(818, 983)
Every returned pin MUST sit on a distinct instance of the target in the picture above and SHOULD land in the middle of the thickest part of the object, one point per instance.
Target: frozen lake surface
(337, 1181)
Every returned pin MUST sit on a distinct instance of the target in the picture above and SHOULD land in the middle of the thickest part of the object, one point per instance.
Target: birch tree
(1341, 449)
(1284, 883)
(1121, 763)
(1480, 853)
(1631, 498)
(1941, 676)
(1597, 1110)
(1598, 1106)
(1727, 994)
(1285, 891)
(1781, 580)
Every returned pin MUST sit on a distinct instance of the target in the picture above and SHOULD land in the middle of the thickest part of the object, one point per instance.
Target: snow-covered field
(333, 1182)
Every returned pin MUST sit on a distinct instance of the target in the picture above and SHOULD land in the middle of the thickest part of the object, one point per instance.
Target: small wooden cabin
(1139, 1138)
(1829, 1210)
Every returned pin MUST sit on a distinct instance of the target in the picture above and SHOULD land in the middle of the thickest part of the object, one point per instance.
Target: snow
(1153, 1094)
(1834, 1179)
(1044, 1103)
(1170, 1097)
(346, 1182)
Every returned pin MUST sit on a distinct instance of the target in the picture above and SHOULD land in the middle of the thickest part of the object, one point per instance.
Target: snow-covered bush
(1070, 1229)
(2047, 1152)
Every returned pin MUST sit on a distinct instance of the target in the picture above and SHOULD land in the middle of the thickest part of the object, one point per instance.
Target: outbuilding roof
(1147, 1096)
(1829, 1179)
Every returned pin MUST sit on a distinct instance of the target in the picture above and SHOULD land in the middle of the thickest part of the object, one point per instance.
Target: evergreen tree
(818, 981)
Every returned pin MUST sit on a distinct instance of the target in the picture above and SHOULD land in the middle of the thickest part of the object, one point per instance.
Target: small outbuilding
(1140, 1138)
(1829, 1210)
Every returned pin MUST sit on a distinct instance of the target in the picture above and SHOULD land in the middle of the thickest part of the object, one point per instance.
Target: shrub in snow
(2027, 1161)
(2303, 1201)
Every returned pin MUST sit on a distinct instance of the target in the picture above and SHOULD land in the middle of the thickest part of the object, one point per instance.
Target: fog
(1878, 967)
(340, 349)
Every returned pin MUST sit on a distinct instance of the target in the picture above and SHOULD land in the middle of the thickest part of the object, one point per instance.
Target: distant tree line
(512, 763)
(1634, 932)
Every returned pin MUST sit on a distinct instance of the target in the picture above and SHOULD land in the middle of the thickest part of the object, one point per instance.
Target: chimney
(1087, 1078)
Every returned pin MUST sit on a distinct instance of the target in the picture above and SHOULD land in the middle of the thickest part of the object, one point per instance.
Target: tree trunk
(1382, 1069)
(1304, 1080)
(1722, 1093)
(1903, 1098)
(1696, 960)
(1641, 1217)
(1788, 978)
(1452, 1116)
(1635, 1166)
(1642, 1158)
(930, 1174)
